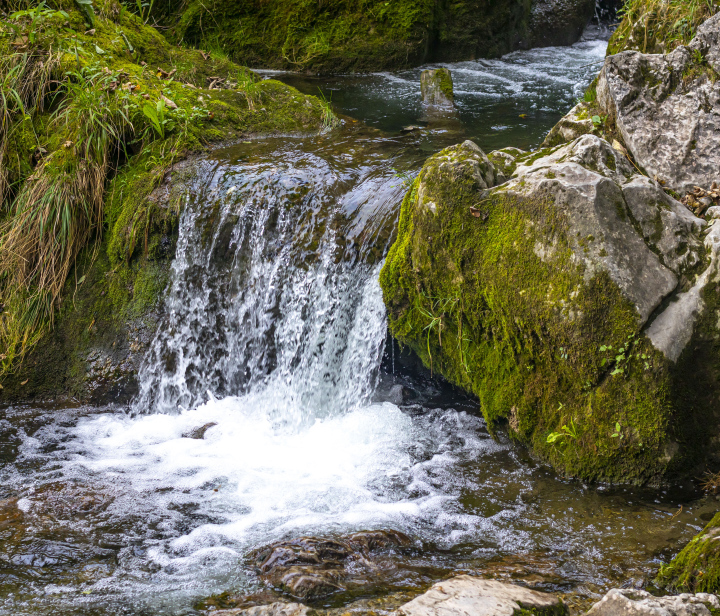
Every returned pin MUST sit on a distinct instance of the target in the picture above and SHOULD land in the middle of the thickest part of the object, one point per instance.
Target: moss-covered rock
(367, 35)
(535, 295)
(697, 567)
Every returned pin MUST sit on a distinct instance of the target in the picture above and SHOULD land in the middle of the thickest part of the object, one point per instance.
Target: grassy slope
(104, 131)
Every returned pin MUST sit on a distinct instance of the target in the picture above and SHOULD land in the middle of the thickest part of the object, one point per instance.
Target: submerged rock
(471, 595)
(310, 568)
(666, 109)
(274, 609)
(562, 299)
(199, 432)
(436, 87)
(630, 602)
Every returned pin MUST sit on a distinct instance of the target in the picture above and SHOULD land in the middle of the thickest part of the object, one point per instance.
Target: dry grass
(658, 26)
(711, 483)
(26, 81)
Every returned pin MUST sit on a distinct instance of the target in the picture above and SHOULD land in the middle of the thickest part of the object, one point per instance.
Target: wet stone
(436, 87)
(199, 432)
(465, 594)
(274, 609)
(310, 568)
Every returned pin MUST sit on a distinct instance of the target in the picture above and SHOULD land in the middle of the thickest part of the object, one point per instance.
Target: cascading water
(274, 286)
(271, 351)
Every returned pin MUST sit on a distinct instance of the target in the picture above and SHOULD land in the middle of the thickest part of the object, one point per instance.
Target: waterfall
(274, 285)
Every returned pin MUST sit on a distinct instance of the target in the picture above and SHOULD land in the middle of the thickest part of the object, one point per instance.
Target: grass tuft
(659, 26)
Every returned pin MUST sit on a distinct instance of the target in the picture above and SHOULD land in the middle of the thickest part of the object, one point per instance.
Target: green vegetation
(555, 353)
(697, 567)
(351, 35)
(90, 120)
(658, 26)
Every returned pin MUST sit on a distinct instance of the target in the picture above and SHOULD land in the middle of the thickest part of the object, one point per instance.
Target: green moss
(499, 306)
(352, 35)
(697, 567)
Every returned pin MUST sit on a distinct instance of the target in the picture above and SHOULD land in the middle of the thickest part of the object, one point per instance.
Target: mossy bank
(97, 109)
(370, 35)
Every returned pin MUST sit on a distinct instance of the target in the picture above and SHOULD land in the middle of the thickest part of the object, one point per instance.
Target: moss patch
(659, 26)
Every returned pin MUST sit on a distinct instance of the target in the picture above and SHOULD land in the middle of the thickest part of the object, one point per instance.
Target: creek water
(274, 340)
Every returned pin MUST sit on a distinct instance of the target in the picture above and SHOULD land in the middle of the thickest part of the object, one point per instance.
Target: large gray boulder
(465, 595)
(559, 22)
(603, 197)
(581, 297)
(667, 109)
(628, 602)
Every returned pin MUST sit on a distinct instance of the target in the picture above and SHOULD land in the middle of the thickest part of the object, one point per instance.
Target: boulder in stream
(631, 602)
(577, 300)
(436, 87)
(466, 594)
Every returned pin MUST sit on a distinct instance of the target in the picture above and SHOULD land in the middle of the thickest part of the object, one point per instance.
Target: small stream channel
(275, 334)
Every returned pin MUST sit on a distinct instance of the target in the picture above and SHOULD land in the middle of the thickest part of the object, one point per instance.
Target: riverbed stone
(310, 568)
(666, 109)
(563, 301)
(468, 595)
(274, 609)
(436, 87)
(632, 602)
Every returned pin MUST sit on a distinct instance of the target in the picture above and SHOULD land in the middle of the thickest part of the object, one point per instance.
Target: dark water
(510, 101)
(275, 332)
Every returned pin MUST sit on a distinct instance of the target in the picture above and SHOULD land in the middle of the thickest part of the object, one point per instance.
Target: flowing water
(274, 341)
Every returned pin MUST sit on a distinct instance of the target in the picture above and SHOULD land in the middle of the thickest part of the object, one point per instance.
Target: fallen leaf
(90, 32)
(168, 102)
(523, 115)
(68, 144)
(24, 382)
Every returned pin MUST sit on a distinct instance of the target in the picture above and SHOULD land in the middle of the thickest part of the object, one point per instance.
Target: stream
(315, 423)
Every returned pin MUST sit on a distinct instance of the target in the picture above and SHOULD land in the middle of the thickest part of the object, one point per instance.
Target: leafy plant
(435, 312)
(566, 432)
(156, 115)
(618, 431)
(36, 15)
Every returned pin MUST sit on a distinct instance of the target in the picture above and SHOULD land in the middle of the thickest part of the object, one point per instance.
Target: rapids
(274, 341)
